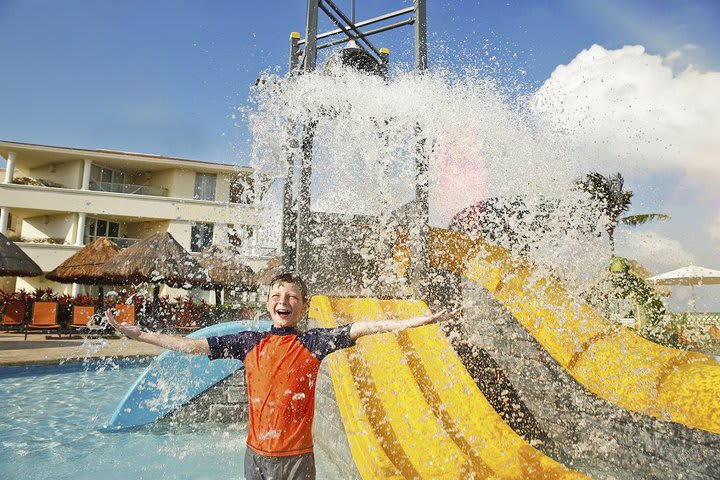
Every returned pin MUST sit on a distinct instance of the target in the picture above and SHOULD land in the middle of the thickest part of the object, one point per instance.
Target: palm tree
(614, 200)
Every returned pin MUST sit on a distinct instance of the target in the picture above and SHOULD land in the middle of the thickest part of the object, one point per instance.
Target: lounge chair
(81, 316)
(44, 317)
(125, 313)
(14, 316)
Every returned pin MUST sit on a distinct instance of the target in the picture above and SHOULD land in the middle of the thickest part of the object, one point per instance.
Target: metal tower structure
(303, 58)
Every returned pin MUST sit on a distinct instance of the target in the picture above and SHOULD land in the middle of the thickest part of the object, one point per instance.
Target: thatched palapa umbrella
(273, 267)
(85, 265)
(225, 269)
(14, 262)
(156, 259)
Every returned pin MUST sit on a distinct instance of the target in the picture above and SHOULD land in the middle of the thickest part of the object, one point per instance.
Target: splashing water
(481, 142)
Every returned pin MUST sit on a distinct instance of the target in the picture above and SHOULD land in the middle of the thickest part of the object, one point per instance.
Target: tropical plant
(656, 326)
(84, 300)
(64, 308)
(43, 295)
(623, 282)
(610, 194)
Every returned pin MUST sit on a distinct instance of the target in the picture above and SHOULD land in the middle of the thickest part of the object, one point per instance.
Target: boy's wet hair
(290, 277)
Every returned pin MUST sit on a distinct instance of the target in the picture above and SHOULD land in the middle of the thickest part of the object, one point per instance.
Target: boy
(281, 368)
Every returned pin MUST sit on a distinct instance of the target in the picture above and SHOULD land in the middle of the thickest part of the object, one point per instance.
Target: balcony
(122, 205)
(128, 188)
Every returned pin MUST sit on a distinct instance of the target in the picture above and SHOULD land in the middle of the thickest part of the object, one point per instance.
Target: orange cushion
(44, 315)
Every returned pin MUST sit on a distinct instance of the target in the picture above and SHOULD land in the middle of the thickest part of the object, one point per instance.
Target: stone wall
(224, 402)
(589, 433)
(329, 432)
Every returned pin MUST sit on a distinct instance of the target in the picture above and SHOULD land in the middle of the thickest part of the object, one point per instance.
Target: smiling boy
(281, 368)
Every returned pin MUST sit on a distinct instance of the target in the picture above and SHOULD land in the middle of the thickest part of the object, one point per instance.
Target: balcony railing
(693, 319)
(128, 188)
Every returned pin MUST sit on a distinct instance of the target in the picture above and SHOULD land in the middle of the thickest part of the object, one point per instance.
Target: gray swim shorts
(295, 467)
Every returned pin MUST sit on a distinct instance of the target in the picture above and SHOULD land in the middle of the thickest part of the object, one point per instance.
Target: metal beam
(311, 27)
(353, 27)
(421, 50)
(288, 236)
(371, 21)
(294, 50)
(409, 21)
(303, 222)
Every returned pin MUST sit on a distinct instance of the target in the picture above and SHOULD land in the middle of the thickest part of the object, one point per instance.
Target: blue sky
(167, 77)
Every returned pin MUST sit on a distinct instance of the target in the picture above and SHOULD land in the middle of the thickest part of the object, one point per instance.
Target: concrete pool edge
(37, 350)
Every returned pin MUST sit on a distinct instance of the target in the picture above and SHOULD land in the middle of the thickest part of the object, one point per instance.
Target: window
(205, 186)
(97, 227)
(106, 179)
(201, 236)
(242, 189)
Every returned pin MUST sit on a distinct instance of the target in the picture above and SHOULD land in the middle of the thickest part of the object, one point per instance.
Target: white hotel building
(57, 199)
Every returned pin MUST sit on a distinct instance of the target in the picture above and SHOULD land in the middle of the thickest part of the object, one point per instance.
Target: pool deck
(48, 349)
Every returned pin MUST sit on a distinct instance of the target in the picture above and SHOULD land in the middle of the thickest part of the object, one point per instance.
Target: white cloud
(654, 251)
(626, 110)
(673, 56)
(681, 58)
(713, 230)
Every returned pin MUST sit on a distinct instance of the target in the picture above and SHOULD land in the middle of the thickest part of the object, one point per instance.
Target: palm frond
(643, 218)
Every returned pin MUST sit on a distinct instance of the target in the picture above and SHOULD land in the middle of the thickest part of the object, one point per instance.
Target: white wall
(49, 226)
(222, 188)
(181, 231)
(145, 229)
(67, 174)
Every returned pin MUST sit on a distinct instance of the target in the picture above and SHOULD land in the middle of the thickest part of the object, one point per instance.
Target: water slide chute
(410, 408)
(609, 360)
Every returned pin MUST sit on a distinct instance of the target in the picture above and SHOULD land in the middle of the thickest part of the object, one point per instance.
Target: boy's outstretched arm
(179, 344)
(360, 329)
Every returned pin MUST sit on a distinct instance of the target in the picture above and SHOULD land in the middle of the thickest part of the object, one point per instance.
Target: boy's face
(286, 305)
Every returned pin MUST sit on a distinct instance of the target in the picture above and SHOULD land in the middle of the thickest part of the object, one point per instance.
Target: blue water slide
(173, 379)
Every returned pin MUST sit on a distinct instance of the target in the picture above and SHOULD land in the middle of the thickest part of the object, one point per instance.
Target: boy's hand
(130, 331)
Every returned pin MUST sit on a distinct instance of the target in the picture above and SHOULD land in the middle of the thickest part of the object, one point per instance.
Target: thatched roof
(14, 262)
(274, 266)
(85, 266)
(224, 268)
(157, 259)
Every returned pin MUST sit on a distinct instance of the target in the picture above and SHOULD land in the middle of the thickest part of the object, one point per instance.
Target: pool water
(51, 417)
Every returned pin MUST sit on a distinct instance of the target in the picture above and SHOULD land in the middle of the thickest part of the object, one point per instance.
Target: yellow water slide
(609, 360)
(410, 408)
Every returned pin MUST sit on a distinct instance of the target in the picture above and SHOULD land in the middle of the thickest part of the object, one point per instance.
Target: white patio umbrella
(690, 276)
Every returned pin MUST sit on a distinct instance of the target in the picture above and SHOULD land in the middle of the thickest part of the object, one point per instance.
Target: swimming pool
(51, 416)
